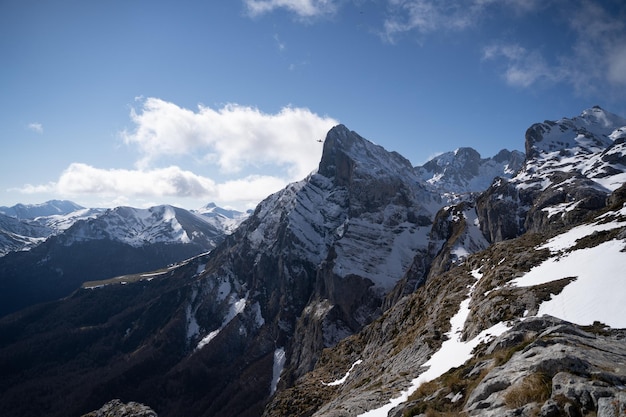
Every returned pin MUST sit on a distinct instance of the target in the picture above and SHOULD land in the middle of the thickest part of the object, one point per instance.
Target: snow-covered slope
(20, 235)
(572, 165)
(140, 227)
(27, 226)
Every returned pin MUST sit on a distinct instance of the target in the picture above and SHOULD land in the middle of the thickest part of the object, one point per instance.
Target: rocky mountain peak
(348, 155)
(465, 171)
(589, 132)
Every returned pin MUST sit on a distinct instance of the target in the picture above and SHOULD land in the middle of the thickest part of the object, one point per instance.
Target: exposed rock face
(116, 408)
(318, 257)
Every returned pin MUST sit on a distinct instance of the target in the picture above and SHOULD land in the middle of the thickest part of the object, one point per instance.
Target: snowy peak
(224, 219)
(32, 211)
(464, 171)
(592, 131)
(139, 227)
(590, 146)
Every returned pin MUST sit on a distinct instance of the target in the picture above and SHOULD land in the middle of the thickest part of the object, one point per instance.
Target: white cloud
(594, 63)
(36, 127)
(427, 16)
(122, 186)
(234, 136)
(80, 179)
(249, 190)
(302, 8)
(523, 68)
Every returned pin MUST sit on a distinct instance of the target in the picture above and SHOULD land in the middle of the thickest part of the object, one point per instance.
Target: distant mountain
(24, 234)
(18, 235)
(31, 211)
(224, 219)
(464, 171)
(93, 245)
(359, 291)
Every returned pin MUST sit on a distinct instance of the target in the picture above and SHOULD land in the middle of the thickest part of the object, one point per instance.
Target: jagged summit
(345, 152)
(465, 171)
(589, 132)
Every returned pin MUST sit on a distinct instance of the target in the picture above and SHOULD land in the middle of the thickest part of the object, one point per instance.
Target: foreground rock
(116, 408)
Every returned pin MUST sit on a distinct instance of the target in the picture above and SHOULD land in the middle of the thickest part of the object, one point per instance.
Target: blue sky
(147, 102)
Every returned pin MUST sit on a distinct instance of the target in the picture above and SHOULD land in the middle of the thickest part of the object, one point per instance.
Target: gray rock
(614, 406)
(116, 408)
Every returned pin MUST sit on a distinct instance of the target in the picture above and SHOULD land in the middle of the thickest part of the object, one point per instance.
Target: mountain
(24, 226)
(464, 171)
(20, 234)
(224, 219)
(571, 167)
(31, 211)
(361, 290)
(99, 245)
(470, 340)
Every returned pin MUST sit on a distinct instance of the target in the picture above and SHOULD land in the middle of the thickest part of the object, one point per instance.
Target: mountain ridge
(336, 293)
(91, 245)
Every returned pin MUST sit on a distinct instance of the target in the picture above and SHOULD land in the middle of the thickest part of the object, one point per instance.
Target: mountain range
(50, 249)
(466, 286)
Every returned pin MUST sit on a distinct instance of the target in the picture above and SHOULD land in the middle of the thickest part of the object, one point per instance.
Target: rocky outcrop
(557, 369)
(116, 408)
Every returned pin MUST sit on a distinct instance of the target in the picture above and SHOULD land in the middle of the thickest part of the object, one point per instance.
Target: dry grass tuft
(535, 388)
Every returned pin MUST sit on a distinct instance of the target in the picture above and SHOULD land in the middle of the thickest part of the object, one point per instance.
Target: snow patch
(277, 368)
(344, 378)
(235, 308)
(597, 293)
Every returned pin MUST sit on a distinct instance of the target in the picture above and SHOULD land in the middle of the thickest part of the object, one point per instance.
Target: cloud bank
(234, 138)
